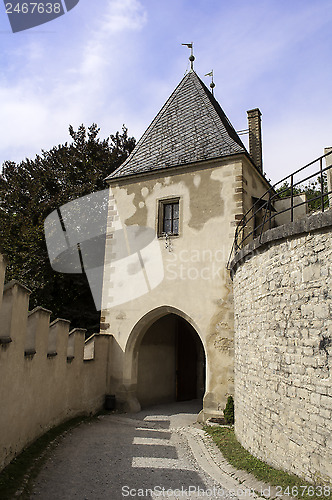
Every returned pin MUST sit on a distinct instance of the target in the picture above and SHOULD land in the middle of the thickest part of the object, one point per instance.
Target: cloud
(116, 62)
(48, 86)
(120, 16)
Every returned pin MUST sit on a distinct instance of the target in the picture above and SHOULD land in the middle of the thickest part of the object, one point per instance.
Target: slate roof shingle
(190, 127)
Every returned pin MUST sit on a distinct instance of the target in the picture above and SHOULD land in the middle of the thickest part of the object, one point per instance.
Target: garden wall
(44, 377)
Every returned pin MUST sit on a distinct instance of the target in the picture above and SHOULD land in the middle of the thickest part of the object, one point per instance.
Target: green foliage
(229, 411)
(240, 458)
(312, 191)
(30, 191)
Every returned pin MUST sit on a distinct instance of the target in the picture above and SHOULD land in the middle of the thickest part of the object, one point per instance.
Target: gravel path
(122, 456)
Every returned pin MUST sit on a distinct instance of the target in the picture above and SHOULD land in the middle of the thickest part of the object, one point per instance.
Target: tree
(312, 190)
(30, 191)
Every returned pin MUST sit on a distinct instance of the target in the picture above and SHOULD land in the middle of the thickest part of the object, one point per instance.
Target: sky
(115, 62)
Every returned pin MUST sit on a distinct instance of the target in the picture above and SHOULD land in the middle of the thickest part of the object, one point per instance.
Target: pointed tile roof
(190, 127)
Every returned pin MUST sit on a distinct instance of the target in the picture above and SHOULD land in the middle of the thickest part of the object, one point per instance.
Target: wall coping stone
(58, 320)
(97, 335)
(41, 309)
(13, 283)
(309, 224)
(77, 330)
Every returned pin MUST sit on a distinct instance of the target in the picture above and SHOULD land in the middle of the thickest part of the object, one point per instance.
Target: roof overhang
(173, 170)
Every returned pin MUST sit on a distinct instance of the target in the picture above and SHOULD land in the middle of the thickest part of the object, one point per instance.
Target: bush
(229, 411)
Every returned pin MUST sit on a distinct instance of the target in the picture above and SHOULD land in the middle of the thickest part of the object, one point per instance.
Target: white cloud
(120, 16)
(124, 15)
(122, 59)
(47, 86)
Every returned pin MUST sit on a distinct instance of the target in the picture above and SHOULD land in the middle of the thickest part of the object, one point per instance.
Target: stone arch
(141, 328)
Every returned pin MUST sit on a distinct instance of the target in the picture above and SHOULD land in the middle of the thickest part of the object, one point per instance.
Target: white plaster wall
(195, 281)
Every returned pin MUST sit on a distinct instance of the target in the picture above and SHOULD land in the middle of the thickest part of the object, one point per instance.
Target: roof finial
(212, 84)
(191, 57)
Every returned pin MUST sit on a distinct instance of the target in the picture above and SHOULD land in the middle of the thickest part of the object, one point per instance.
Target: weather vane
(212, 84)
(191, 57)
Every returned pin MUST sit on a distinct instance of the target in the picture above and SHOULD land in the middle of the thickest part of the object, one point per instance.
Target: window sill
(163, 235)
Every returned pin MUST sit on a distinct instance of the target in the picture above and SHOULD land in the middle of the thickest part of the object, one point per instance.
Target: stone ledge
(13, 283)
(59, 320)
(39, 309)
(310, 224)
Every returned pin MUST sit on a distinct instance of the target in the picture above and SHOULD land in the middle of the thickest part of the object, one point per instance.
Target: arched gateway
(168, 358)
(173, 207)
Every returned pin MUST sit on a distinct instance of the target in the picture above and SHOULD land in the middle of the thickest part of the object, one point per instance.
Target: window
(168, 217)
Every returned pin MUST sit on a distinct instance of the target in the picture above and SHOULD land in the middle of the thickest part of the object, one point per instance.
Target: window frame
(161, 215)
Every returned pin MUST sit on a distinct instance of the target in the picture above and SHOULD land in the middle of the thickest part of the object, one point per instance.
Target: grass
(17, 478)
(240, 458)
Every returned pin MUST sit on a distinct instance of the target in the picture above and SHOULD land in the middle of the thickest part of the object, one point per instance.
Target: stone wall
(45, 378)
(283, 347)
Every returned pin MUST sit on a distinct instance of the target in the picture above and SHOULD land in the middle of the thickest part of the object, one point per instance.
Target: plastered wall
(44, 379)
(194, 283)
(283, 349)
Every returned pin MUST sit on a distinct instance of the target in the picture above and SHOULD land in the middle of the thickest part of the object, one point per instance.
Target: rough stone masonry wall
(283, 350)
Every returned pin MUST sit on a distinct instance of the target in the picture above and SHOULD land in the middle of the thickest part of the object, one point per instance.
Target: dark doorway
(171, 363)
(187, 357)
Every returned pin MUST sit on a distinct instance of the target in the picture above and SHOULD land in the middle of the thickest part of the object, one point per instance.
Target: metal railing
(264, 213)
